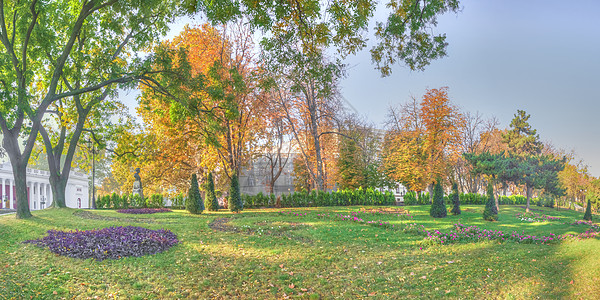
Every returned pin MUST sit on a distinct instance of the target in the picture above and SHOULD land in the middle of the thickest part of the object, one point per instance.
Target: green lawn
(266, 254)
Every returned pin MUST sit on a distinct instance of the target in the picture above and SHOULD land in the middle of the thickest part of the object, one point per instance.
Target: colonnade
(39, 194)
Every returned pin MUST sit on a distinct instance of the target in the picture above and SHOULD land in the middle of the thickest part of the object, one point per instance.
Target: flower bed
(463, 233)
(111, 242)
(533, 217)
(140, 211)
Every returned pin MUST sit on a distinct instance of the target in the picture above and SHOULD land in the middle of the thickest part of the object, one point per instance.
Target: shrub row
(117, 201)
(318, 198)
(411, 198)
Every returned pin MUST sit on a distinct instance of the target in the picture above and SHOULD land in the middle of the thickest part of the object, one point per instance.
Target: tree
(438, 207)
(521, 139)
(588, 211)
(528, 166)
(194, 203)
(211, 199)
(210, 96)
(455, 200)
(359, 155)
(477, 135)
(490, 212)
(55, 44)
(442, 122)
(493, 165)
(235, 198)
(423, 140)
(306, 86)
(405, 35)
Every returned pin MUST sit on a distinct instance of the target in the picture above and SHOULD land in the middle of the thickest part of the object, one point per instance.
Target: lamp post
(42, 202)
(5, 199)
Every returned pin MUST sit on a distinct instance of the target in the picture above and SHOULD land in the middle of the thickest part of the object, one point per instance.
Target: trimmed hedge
(469, 199)
(318, 198)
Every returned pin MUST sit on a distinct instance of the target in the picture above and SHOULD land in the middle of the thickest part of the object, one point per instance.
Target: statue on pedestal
(137, 184)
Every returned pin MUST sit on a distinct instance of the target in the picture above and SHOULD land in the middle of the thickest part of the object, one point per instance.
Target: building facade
(39, 193)
(254, 178)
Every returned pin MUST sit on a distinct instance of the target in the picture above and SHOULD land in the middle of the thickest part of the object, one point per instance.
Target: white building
(39, 192)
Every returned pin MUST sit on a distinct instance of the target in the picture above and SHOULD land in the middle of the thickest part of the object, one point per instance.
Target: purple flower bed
(139, 211)
(111, 242)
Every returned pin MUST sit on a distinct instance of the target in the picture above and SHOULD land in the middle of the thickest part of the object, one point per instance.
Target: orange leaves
(425, 135)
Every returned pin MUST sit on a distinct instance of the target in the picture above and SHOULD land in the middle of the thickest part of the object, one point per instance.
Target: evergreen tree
(490, 213)
(235, 198)
(588, 211)
(193, 203)
(211, 199)
(455, 200)
(438, 207)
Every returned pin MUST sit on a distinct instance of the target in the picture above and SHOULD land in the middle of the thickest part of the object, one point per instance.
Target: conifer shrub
(115, 201)
(235, 198)
(438, 207)
(178, 201)
(455, 200)
(490, 213)
(156, 201)
(193, 202)
(588, 212)
(211, 202)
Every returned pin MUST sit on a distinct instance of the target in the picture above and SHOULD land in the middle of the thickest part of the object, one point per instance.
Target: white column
(50, 196)
(3, 192)
(11, 194)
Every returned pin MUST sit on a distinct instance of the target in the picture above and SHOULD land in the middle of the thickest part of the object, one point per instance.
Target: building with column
(39, 193)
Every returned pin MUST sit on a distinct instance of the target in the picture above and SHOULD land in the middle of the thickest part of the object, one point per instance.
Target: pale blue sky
(540, 56)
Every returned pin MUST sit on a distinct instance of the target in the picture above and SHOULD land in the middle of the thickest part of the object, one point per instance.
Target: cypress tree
(588, 212)
(211, 199)
(438, 207)
(235, 199)
(193, 203)
(490, 213)
(455, 200)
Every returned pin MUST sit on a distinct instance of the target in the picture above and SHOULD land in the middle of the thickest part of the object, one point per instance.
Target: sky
(541, 56)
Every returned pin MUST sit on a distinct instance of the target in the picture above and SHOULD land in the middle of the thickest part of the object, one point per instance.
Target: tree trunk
(21, 188)
(59, 186)
(19, 168)
(315, 134)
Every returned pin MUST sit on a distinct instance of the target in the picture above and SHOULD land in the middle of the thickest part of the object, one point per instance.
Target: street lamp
(42, 202)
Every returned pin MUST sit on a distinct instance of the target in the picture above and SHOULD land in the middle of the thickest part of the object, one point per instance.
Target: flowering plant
(111, 242)
(139, 211)
(533, 217)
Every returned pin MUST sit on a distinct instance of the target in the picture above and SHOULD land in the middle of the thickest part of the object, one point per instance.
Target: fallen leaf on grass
(423, 277)
(372, 294)
(304, 290)
(450, 261)
(291, 286)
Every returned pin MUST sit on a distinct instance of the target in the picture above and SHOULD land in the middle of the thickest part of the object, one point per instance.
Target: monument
(137, 184)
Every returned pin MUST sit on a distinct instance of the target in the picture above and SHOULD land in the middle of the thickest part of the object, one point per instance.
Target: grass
(274, 255)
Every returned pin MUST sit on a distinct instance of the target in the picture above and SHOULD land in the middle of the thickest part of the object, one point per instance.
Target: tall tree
(403, 155)
(359, 154)
(423, 140)
(529, 166)
(50, 41)
(405, 35)
(442, 121)
(210, 91)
